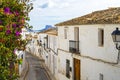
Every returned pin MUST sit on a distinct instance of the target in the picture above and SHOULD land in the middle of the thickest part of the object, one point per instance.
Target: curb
(48, 72)
(24, 72)
(27, 70)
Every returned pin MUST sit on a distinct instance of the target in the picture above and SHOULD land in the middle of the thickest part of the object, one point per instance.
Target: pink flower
(7, 10)
(17, 33)
(8, 31)
(14, 25)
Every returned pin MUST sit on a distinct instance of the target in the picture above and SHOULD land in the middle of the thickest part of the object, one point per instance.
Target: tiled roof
(51, 31)
(108, 16)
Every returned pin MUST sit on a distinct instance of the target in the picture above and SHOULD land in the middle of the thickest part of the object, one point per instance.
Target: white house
(24, 33)
(86, 50)
(42, 45)
(52, 50)
(48, 50)
(32, 46)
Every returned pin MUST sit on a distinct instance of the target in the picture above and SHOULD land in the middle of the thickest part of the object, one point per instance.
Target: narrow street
(35, 69)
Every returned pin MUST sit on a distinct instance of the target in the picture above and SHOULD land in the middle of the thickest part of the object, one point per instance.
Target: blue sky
(50, 12)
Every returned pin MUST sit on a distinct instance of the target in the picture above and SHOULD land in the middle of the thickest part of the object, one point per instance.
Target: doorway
(77, 70)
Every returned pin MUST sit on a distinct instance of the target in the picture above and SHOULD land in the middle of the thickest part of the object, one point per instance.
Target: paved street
(35, 69)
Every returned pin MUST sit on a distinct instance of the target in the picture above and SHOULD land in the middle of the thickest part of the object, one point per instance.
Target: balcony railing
(74, 46)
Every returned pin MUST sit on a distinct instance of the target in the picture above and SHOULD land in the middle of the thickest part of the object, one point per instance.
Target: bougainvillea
(13, 14)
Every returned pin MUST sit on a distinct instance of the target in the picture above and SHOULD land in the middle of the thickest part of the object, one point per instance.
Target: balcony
(74, 46)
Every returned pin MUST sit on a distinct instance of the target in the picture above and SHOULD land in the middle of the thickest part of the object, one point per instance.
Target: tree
(13, 17)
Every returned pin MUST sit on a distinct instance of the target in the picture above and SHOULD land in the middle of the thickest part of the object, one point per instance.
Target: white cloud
(52, 4)
(53, 11)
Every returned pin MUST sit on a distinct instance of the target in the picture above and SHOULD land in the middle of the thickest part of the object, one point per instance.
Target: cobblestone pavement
(36, 69)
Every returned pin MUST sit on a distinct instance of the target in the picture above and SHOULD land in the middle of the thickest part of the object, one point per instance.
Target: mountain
(46, 27)
(29, 30)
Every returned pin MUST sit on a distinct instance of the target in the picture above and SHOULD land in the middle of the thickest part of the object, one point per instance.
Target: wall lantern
(116, 37)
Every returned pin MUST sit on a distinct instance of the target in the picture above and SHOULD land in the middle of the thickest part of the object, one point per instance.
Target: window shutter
(100, 37)
(65, 32)
(67, 68)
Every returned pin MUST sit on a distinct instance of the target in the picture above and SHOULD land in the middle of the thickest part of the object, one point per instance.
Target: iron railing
(74, 46)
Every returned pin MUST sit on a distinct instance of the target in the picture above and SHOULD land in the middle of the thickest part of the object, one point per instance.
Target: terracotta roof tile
(108, 16)
(52, 31)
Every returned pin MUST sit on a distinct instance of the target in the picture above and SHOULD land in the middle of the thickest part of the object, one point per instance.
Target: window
(47, 41)
(67, 68)
(100, 37)
(100, 76)
(65, 32)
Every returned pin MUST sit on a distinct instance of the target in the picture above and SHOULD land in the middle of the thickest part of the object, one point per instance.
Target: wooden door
(77, 69)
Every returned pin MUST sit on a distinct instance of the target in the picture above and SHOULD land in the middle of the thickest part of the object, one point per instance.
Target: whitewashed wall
(62, 42)
(88, 37)
(91, 70)
(53, 42)
(89, 47)
(62, 56)
(43, 53)
(89, 42)
(24, 32)
(52, 54)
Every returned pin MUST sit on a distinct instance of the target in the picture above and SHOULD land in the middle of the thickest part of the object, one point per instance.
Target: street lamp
(116, 37)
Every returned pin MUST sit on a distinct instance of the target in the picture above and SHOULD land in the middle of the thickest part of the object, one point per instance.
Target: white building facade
(48, 49)
(86, 50)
